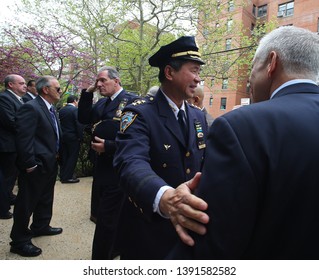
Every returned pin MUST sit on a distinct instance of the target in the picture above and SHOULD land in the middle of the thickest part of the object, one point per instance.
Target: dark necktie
(182, 123)
(55, 126)
(107, 103)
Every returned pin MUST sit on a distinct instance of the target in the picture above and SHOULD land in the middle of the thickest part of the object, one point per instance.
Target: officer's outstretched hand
(185, 210)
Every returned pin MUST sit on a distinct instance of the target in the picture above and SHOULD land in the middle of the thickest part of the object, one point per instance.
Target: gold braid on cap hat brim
(186, 53)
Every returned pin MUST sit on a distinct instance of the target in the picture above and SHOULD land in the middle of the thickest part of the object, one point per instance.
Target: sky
(7, 9)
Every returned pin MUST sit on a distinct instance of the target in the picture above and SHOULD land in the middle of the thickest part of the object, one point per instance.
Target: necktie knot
(181, 115)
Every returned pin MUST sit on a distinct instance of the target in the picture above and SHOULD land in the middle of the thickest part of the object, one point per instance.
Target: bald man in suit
(10, 102)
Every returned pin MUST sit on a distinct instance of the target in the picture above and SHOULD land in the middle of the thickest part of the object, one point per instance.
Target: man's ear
(272, 63)
(45, 90)
(196, 100)
(169, 72)
(117, 81)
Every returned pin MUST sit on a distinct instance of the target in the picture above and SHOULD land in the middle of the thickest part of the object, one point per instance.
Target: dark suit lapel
(13, 98)
(116, 102)
(169, 118)
(47, 114)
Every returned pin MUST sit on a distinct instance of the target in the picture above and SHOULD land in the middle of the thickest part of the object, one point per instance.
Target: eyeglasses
(56, 88)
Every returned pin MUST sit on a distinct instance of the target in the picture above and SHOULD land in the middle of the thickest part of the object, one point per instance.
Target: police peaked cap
(184, 48)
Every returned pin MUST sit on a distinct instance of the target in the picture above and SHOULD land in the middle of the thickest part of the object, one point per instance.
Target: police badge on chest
(119, 110)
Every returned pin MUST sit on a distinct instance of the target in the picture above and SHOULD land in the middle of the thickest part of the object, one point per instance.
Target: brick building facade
(219, 96)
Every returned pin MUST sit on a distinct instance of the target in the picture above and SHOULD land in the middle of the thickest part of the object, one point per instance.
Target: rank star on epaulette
(138, 102)
(127, 119)
(194, 106)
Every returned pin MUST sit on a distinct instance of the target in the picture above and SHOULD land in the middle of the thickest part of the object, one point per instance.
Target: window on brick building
(211, 98)
(254, 10)
(286, 9)
(231, 6)
(248, 87)
(262, 11)
(225, 84)
(228, 44)
(223, 102)
(212, 82)
(229, 24)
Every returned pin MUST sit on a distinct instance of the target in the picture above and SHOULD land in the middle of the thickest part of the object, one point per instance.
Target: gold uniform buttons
(188, 154)
(164, 165)
(188, 171)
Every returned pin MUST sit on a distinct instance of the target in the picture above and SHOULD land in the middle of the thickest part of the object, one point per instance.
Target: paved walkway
(71, 212)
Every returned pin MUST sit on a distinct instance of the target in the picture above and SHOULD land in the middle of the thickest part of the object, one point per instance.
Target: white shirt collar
(174, 106)
(292, 82)
(116, 94)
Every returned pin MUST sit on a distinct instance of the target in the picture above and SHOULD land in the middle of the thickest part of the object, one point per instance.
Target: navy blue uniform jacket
(261, 181)
(151, 153)
(105, 120)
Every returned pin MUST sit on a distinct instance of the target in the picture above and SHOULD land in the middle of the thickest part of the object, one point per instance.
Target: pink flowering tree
(30, 53)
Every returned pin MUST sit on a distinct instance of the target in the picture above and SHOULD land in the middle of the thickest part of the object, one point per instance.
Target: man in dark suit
(105, 117)
(72, 134)
(37, 141)
(260, 176)
(31, 91)
(158, 148)
(10, 102)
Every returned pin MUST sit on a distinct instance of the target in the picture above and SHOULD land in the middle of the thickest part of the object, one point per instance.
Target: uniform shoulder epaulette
(138, 102)
(194, 106)
(149, 98)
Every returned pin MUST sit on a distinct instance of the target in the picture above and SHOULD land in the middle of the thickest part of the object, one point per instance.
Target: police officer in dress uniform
(157, 149)
(105, 117)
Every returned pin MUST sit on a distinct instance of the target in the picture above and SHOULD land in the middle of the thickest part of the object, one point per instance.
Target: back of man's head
(198, 97)
(297, 49)
(72, 98)
(9, 79)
